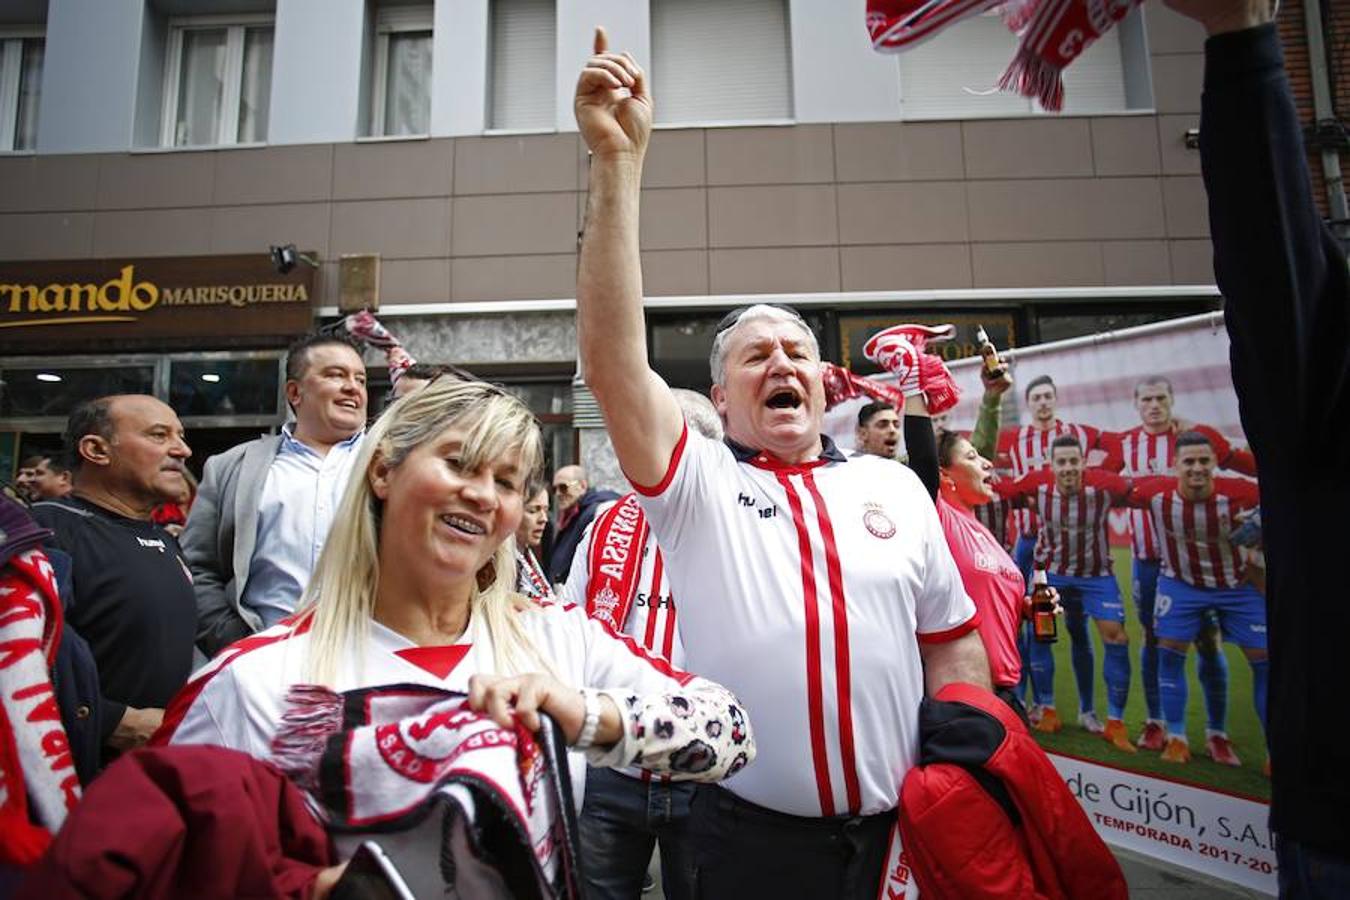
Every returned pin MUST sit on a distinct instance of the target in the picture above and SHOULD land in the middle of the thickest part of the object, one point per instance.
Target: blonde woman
(416, 585)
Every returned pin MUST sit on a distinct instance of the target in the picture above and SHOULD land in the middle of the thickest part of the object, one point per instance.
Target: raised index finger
(601, 39)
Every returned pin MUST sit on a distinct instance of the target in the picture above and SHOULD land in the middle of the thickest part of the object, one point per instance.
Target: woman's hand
(507, 698)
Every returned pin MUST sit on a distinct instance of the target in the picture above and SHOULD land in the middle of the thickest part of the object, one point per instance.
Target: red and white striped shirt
(1072, 535)
(994, 515)
(807, 589)
(1196, 545)
(1023, 449)
(1144, 454)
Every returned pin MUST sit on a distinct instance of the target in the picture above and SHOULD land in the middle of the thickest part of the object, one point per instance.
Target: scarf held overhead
(1051, 34)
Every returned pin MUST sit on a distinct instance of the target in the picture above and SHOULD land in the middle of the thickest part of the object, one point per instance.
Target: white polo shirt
(806, 589)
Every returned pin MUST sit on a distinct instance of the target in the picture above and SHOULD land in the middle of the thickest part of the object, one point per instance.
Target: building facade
(790, 161)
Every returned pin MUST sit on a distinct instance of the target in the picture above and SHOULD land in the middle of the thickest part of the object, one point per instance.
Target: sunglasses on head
(730, 319)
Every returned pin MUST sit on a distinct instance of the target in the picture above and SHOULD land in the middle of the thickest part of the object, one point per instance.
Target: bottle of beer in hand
(1044, 625)
(992, 364)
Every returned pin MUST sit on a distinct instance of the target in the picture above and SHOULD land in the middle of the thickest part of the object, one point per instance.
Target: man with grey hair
(577, 506)
(818, 587)
(619, 575)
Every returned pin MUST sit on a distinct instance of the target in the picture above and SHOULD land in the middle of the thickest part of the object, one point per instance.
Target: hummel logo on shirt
(156, 543)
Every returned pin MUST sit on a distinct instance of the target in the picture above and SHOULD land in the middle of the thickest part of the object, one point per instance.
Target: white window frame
(11, 70)
(228, 127)
(392, 20)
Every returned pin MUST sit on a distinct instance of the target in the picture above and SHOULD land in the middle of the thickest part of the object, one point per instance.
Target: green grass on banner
(1243, 727)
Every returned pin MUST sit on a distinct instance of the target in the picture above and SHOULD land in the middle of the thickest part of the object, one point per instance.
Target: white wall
(316, 71)
(89, 81)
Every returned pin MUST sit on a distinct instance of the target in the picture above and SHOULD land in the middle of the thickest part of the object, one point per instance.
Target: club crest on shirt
(606, 601)
(877, 522)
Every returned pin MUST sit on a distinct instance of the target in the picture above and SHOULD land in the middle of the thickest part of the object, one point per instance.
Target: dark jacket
(1287, 308)
(986, 814)
(565, 543)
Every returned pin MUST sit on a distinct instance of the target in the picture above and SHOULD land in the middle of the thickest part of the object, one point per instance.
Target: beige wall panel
(674, 219)
(1170, 32)
(1192, 262)
(1096, 208)
(414, 281)
(891, 151)
(1038, 147)
(48, 183)
(510, 164)
(326, 284)
(1136, 262)
(151, 180)
(782, 271)
(395, 229)
(674, 273)
(47, 236)
(913, 213)
(906, 267)
(154, 232)
(1177, 158)
(513, 277)
(786, 215)
(292, 174)
(801, 154)
(1051, 264)
(379, 169)
(1187, 207)
(252, 229)
(1176, 82)
(675, 158)
(514, 224)
(1125, 145)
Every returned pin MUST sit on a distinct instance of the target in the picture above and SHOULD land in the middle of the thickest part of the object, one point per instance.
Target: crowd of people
(752, 648)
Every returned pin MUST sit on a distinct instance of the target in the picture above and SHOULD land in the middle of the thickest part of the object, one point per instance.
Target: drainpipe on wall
(1325, 116)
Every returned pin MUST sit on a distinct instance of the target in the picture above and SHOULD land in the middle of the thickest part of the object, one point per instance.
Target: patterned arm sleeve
(697, 732)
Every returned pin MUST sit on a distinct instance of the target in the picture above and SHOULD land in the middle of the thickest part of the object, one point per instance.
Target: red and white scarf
(37, 768)
(1053, 33)
(615, 561)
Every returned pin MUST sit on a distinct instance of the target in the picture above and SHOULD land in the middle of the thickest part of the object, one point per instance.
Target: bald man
(133, 599)
(577, 504)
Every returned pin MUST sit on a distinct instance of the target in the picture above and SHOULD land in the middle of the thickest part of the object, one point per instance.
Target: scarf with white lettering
(616, 561)
(1052, 34)
(479, 805)
(37, 769)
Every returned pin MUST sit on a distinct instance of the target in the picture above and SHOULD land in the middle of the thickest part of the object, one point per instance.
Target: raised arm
(614, 113)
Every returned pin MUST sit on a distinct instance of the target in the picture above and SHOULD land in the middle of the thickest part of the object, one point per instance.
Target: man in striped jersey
(1072, 504)
(619, 575)
(1201, 570)
(1145, 450)
(819, 585)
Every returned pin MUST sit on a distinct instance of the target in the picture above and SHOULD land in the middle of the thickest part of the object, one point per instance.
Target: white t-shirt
(806, 590)
(238, 699)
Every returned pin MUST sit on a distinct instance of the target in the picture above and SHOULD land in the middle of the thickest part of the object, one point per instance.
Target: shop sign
(70, 302)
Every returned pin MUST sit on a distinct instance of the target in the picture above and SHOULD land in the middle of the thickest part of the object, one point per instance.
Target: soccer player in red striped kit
(1201, 569)
(820, 584)
(1148, 449)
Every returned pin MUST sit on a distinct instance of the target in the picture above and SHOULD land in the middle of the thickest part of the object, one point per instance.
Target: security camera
(285, 257)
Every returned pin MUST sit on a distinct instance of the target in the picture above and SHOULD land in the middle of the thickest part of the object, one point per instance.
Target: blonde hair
(339, 602)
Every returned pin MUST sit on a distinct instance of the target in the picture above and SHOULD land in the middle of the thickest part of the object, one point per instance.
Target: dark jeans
(746, 851)
(1307, 873)
(621, 819)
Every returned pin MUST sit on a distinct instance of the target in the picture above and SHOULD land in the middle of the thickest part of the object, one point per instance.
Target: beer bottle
(1044, 625)
(992, 363)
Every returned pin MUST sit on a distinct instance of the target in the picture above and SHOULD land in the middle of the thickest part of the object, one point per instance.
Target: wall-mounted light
(1192, 138)
(210, 378)
(48, 377)
(284, 258)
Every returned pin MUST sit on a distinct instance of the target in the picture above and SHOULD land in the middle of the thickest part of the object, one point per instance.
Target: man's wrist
(1252, 15)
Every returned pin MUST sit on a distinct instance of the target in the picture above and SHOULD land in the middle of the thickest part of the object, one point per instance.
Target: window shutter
(523, 53)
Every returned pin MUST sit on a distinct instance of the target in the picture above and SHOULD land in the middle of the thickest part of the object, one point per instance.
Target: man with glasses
(818, 587)
(577, 504)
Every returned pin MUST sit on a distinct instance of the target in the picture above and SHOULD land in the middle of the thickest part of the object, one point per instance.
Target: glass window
(227, 387)
(523, 52)
(401, 83)
(218, 83)
(20, 90)
(1059, 324)
(721, 61)
(56, 390)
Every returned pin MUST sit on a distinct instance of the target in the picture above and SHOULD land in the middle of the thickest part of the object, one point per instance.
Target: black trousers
(743, 851)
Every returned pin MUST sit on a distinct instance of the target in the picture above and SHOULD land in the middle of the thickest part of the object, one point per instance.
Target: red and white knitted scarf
(37, 768)
(1052, 34)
